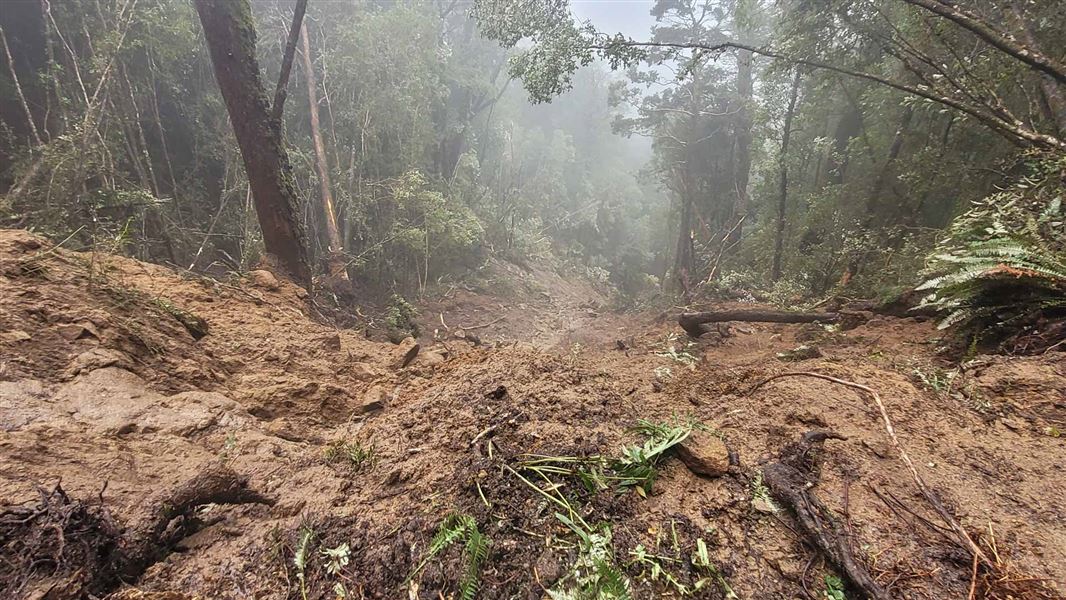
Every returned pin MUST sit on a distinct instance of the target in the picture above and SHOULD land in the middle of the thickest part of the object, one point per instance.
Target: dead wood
(691, 321)
(63, 548)
(963, 538)
(150, 537)
(790, 480)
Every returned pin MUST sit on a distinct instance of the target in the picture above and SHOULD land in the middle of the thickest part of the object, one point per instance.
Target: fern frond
(476, 550)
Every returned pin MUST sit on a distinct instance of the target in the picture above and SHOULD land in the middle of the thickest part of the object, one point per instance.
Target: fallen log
(691, 322)
(791, 482)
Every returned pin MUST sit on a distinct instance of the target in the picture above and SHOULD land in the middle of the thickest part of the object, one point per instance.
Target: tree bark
(874, 201)
(337, 266)
(18, 90)
(782, 186)
(230, 36)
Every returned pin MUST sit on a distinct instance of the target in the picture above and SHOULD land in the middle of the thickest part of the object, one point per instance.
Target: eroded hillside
(123, 383)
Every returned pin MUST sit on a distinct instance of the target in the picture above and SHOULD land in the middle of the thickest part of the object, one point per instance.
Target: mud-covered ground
(121, 381)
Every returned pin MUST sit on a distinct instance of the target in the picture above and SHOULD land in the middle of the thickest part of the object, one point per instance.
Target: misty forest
(560, 299)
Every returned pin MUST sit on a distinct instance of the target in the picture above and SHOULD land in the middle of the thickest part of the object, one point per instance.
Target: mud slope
(124, 380)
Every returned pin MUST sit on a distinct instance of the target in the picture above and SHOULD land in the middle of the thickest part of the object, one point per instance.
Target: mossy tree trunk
(230, 34)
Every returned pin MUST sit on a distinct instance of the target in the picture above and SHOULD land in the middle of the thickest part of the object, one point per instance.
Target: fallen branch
(691, 321)
(963, 538)
(791, 481)
(482, 326)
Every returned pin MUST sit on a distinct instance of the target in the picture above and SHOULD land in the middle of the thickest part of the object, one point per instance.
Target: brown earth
(106, 388)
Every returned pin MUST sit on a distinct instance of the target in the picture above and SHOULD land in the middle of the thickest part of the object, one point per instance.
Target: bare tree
(337, 266)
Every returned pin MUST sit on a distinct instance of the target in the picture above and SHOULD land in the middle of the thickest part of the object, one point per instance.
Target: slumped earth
(127, 390)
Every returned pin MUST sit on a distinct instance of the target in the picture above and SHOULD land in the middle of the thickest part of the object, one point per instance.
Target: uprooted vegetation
(505, 472)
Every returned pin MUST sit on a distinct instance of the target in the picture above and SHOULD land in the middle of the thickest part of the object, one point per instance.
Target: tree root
(63, 548)
(962, 537)
(790, 480)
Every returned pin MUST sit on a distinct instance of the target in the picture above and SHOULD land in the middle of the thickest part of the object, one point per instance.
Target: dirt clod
(704, 454)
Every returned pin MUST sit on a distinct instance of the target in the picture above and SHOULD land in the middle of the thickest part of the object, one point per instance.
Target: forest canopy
(791, 149)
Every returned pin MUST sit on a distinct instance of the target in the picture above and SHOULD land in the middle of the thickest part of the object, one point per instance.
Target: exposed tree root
(963, 538)
(790, 481)
(62, 548)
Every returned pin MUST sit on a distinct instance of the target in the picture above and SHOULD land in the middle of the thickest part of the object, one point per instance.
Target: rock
(408, 350)
(704, 454)
(15, 336)
(97, 358)
(432, 357)
(331, 341)
(116, 402)
(364, 372)
(264, 279)
(764, 505)
(20, 403)
(803, 352)
(77, 331)
(374, 399)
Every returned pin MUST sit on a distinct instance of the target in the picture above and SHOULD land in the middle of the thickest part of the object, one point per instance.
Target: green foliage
(636, 468)
(456, 528)
(352, 455)
(834, 588)
(595, 574)
(1004, 260)
(400, 318)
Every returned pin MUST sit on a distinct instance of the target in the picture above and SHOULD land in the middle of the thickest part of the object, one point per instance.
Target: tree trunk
(691, 321)
(18, 90)
(874, 202)
(230, 35)
(337, 266)
(742, 160)
(1053, 95)
(782, 187)
(685, 256)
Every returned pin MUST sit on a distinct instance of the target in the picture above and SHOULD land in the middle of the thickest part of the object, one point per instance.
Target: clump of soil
(361, 457)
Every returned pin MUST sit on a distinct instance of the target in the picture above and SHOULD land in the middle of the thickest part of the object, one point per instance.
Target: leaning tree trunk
(337, 266)
(230, 35)
(782, 190)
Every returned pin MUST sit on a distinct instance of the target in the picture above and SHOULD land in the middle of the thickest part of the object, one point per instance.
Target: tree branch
(951, 11)
(1014, 130)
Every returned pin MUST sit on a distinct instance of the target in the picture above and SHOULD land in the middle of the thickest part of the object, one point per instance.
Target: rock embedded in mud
(77, 331)
(704, 454)
(432, 357)
(264, 279)
(15, 336)
(364, 372)
(374, 399)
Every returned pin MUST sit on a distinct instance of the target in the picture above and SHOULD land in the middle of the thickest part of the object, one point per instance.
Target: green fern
(1005, 259)
(454, 528)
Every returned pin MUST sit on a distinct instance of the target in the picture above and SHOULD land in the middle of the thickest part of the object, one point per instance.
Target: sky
(631, 17)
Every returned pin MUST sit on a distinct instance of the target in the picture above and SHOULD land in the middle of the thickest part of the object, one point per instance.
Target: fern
(1004, 260)
(453, 528)
(476, 550)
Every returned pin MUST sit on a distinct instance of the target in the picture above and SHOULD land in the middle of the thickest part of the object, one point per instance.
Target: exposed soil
(111, 385)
